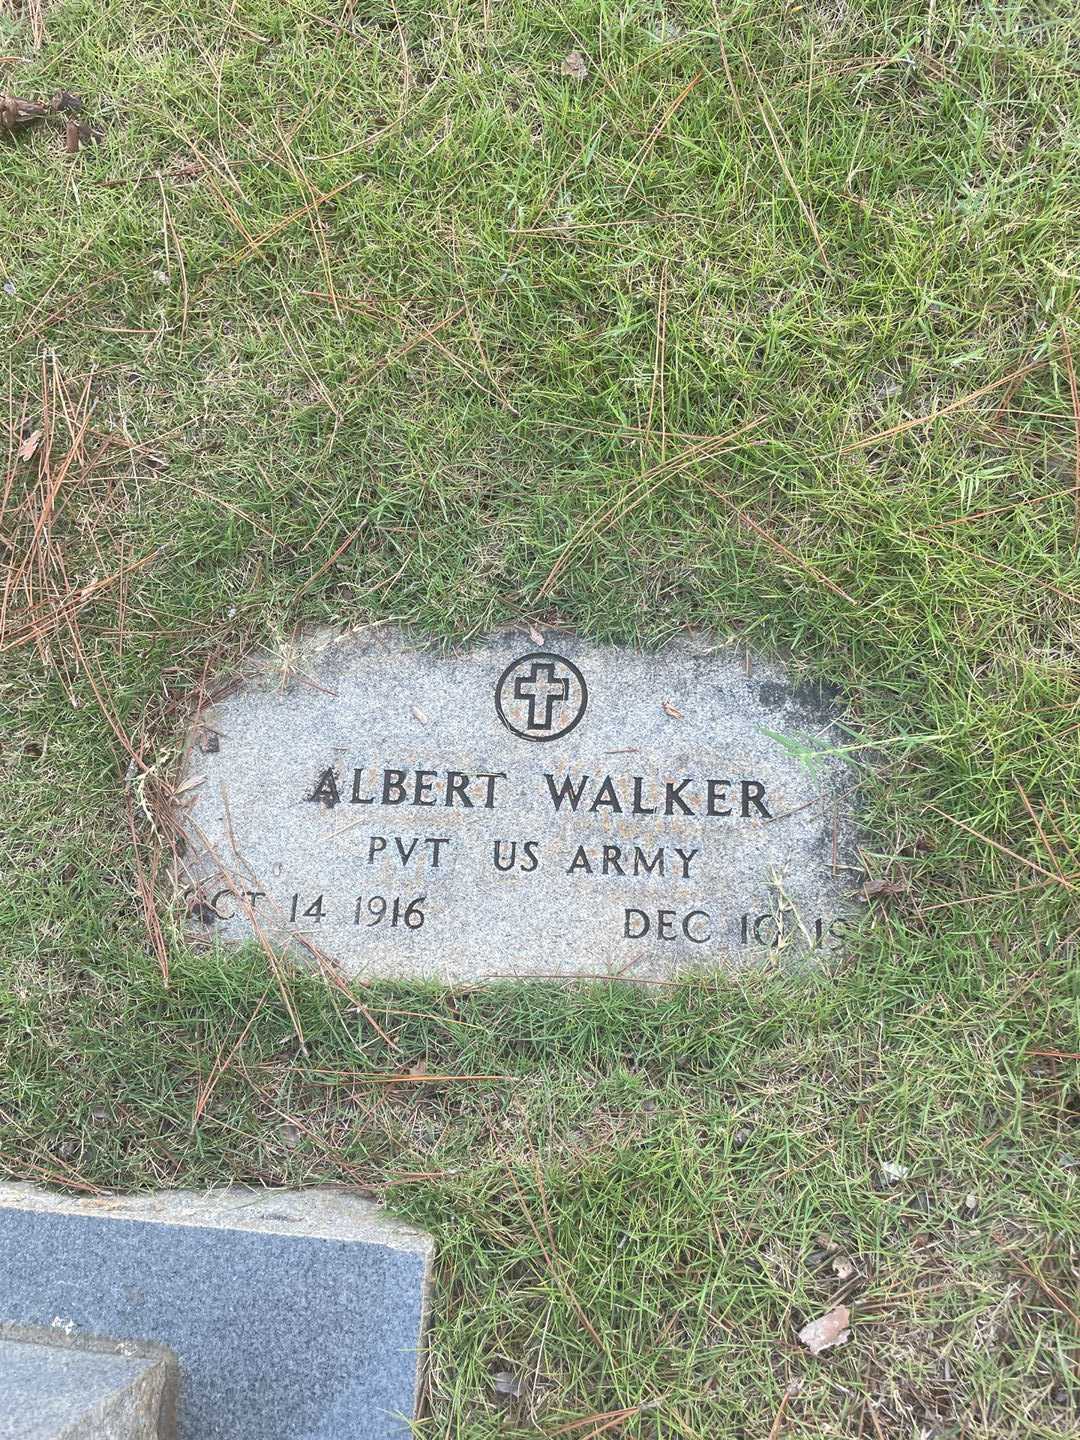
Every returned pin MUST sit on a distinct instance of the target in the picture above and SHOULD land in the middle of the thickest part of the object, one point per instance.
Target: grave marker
(519, 810)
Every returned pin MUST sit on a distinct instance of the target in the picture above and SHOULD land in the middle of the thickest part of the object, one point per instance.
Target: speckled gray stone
(57, 1387)
(398, 809)
(294, 1315)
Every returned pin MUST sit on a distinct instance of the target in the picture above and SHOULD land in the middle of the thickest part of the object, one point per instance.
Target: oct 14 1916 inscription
(518, 809)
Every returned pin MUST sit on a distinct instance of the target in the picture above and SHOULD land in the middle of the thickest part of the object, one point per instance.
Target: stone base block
(293, 1315)
(55, 1386)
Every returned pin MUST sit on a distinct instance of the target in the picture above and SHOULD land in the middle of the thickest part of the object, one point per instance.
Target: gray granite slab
(58, 1387)
(293, 1315)
(531, 805)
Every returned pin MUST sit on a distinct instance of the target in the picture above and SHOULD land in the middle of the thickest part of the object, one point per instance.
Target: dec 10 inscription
(586, 810)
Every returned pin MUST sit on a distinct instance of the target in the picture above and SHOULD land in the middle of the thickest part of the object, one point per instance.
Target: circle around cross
(545, 682)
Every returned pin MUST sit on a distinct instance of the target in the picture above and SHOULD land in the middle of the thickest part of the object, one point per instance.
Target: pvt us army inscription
(516, 810)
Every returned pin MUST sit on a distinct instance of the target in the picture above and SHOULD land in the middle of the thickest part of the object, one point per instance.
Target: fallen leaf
(191, 783)
(15, 112)
(829, 1330)
(65, 103)
(880, 887)
(574, 66)
(535, 635)
(672, 710)
(187, 170)
(29, 447)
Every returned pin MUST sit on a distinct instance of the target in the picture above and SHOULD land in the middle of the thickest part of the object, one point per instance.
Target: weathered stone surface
(520, 808)
(59, 1387)
(297, 1315)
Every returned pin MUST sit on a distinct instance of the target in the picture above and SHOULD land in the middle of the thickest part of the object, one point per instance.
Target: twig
(405, 1077)
(330, 1150)
(1042, 833)
(315, 198)
(658, 130)
(709, 449)
(1070, 371)
(727, 68)
(27, 329)
(1012, 505)
(937, 414)
(600, 1417)
(1058, 879)
(227, 505)
(1047, 1289)
(979, 899)
(804, 205)
(555, 1270)
(418, 339)
(286, 220)
(110, 718)
(603, 1429)
(326, 565)
(217, 1070)
(330, 975)
(659, 363)
(774, 1428)
(1012, 570)
(146, 885)
(170, 229)
(72, 1181)
(745, 519)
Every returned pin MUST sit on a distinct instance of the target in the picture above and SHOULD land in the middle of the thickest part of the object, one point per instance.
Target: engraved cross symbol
(547, 692)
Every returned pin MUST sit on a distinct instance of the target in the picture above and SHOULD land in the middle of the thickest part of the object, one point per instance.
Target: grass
(372, 311)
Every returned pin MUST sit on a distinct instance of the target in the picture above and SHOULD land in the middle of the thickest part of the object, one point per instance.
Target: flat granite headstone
(297, 1315)
(529, 806)
(54, 1386)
